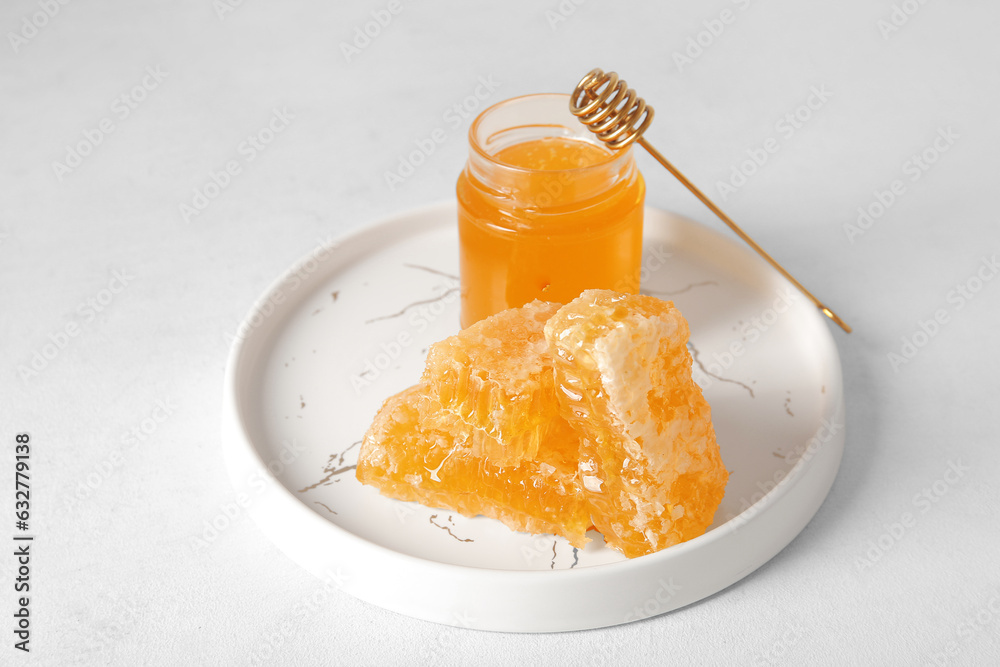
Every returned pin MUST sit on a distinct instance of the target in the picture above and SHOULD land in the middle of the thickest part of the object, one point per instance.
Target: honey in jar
(545, 210)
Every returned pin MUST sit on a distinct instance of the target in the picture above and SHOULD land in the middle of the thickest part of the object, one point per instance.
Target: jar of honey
(545, 210)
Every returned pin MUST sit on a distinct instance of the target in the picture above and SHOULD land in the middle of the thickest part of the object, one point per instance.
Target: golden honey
(544, 212)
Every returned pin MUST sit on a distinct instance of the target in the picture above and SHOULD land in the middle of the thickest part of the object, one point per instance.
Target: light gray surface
(118, 575)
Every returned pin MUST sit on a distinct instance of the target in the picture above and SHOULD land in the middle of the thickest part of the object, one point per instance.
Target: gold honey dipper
(618, 116)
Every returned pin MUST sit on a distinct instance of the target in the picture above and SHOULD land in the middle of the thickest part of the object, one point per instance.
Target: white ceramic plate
(350, 324)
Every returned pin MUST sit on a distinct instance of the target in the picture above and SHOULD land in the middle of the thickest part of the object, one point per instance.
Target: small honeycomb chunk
(649, 462)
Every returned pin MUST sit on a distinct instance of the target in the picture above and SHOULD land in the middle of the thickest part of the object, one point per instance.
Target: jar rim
(480, 150)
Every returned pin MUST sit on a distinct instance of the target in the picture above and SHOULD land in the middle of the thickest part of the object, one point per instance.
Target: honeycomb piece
(418, 451)
(649, 462)
(497, 376)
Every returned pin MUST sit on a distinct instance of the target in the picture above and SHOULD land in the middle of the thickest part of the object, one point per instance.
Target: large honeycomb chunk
(418, 451)
(649, 462)
(497, 376)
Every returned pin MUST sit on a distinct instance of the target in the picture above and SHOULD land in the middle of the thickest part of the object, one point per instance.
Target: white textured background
(117, 576)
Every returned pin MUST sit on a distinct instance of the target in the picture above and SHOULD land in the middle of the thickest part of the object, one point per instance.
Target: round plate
(350, 325)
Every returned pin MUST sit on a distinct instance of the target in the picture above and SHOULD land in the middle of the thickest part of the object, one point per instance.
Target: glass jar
(545, 210)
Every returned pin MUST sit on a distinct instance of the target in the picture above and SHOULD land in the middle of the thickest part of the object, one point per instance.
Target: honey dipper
(618, 116)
